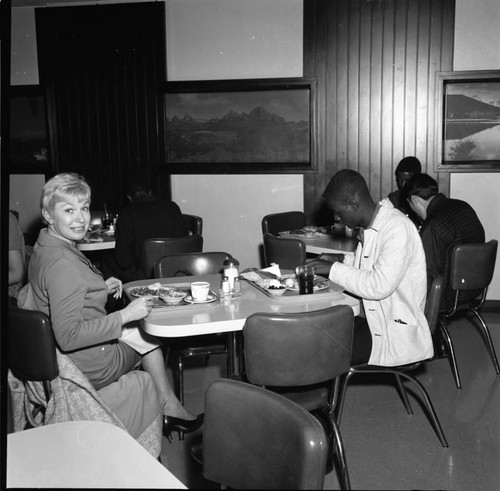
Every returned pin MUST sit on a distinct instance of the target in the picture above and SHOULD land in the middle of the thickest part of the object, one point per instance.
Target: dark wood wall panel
(375, 61)
(103, 67)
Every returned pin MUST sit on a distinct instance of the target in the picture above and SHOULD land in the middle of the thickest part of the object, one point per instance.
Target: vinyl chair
(303, 356)
(194, 224)
(32, 357)
(192, 264)
(157, 247)
(471, 272)
(31, 353)
(288, 253)
(432, 315)
(256, 439)
(278, 222)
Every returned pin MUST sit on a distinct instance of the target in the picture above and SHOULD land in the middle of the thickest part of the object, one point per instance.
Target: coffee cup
(200, 290)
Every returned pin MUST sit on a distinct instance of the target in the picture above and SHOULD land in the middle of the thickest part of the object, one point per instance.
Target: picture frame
(29, 146)
(241, 126)
(468, 121)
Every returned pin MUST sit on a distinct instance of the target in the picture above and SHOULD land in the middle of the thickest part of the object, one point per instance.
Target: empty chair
(157, 247)
(432, 315)
(302, 356)
(288, 253)
(471, 271)
(256, 439)
(96, 217)
(194, 224)
(192, 264)
(279, 222)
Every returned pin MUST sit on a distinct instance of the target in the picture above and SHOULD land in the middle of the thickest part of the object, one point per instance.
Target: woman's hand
(114, 286)
(137, 309)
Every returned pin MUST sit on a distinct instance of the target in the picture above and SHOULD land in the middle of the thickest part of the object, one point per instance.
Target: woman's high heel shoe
(171, 423)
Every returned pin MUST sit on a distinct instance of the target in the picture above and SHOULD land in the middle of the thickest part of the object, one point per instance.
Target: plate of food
(320, 284)
(154, 289)
(307, 232)
(171, 296)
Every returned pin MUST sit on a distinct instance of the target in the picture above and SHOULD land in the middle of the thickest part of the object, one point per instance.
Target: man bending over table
(388, 274)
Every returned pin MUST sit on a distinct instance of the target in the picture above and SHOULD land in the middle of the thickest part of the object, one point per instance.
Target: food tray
(333, 290)
(160, 305)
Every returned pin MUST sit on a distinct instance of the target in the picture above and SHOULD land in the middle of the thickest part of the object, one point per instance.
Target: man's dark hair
(138, 190)
(409, 164)
(346, 185)
(421, 185)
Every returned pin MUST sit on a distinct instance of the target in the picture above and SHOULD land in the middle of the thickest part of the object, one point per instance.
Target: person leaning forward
(388, 274)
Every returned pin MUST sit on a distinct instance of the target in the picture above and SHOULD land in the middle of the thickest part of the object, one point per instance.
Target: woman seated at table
(67, 287)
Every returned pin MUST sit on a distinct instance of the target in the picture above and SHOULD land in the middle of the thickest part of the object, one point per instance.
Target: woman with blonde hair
(72, 292)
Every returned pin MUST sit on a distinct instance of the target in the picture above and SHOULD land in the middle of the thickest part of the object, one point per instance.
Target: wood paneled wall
(375, 61)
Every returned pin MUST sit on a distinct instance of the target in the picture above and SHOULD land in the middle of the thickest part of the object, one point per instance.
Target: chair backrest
(298, 349)
(288, 253)
(433, 303)
(157, 247)
(31, 348)
(256, 439)
(96, 217)
(190, 264)
(279, 222)
(472, 265)
(194, 224)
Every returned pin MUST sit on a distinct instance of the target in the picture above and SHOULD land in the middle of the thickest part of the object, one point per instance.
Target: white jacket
(389, 274)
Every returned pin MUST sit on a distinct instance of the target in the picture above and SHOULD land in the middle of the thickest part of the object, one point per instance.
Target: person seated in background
(446, 223)
(66, 286)
(388, 274)
(406, 169)
(16, 256)
(145, 217)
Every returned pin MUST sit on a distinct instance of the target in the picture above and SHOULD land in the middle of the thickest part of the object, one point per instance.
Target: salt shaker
(231, 270)
(237, 287)
(226, 289)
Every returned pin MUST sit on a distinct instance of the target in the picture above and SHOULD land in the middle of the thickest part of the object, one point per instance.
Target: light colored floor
(385, 447)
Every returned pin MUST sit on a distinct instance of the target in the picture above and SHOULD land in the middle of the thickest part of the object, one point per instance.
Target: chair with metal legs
(402, 371)
(471, 272)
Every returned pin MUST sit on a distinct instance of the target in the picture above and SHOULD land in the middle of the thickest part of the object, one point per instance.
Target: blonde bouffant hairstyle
(63, 186)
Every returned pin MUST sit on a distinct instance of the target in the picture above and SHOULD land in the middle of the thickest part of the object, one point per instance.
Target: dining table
(319, 243)
(83, 454)
(100, 243)
(229, 313)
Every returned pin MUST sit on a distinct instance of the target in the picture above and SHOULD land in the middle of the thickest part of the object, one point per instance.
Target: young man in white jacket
(388, 274)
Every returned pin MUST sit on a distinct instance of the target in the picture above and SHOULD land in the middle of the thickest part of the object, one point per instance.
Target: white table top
(83, 454)
(229, 315)
(107, 243)
(330, 244)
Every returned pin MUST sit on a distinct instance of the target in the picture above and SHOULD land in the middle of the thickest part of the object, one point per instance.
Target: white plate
(211, 298)
(142, 291)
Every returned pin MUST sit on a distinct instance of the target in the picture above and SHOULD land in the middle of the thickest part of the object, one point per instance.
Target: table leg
(234, 355)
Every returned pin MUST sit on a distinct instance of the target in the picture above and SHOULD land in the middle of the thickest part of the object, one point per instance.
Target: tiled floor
(385, 447)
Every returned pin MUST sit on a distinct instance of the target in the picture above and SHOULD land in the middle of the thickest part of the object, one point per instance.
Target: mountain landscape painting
(472, 124)
(251, 127)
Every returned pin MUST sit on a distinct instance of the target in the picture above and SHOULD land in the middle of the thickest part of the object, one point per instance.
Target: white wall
(235, 39)
(477, 38)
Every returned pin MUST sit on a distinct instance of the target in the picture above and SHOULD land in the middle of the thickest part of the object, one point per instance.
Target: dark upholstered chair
(288, 253)
(279, 222)
(31, 349)
(194, 224)
(472, 268)
(256, 439)
(402, 371)
(302, 356)
(192, 264)
(157, 247)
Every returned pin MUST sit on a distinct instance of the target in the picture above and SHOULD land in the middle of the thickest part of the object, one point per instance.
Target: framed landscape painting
(468, 121)
(241, 126)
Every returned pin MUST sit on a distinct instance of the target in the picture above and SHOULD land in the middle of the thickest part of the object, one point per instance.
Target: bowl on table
(172, 297)
(277, 291)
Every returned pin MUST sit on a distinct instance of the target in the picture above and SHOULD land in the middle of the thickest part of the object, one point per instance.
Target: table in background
(230, 314)
(106, 243)
(83, 454)
(326, 243)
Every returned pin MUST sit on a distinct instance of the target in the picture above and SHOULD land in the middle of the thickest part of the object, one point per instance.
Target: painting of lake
(472, 123)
